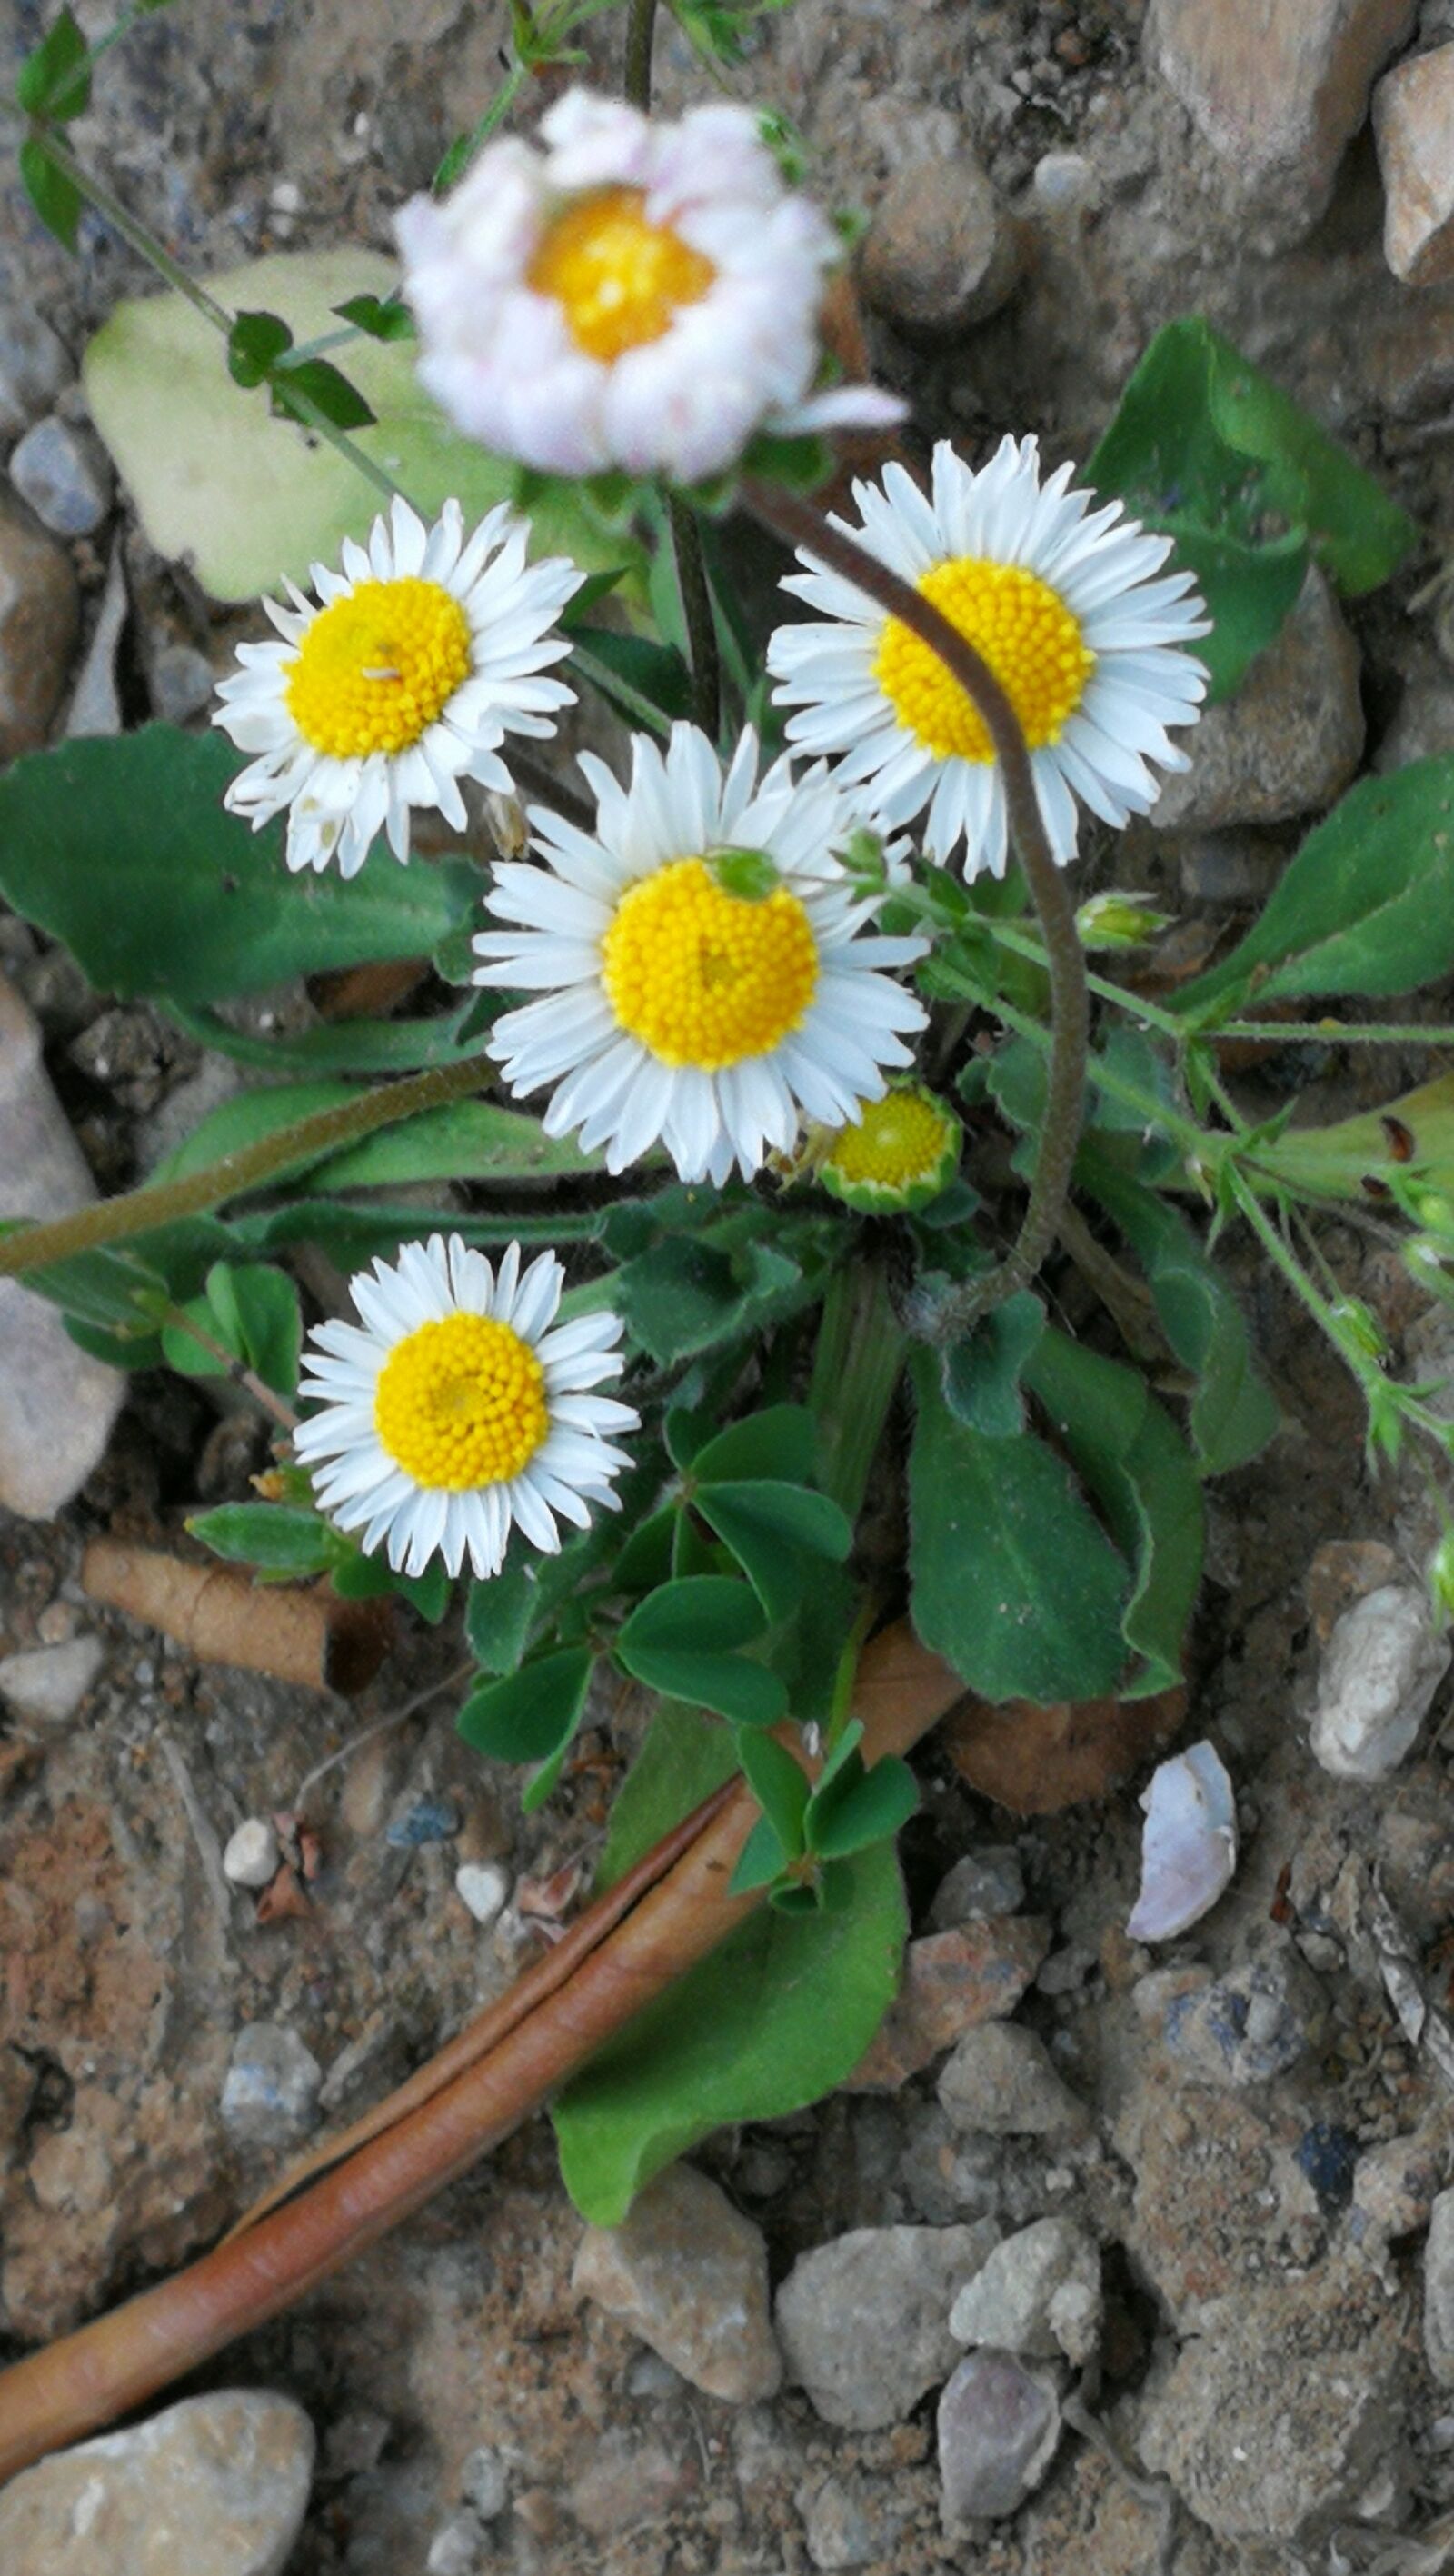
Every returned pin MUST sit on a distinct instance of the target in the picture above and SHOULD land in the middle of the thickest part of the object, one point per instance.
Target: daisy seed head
(901, 1152)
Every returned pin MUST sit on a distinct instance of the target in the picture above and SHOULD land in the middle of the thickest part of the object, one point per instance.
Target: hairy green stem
(640, 34)
(701, 624)
(307, 1140)
(856, 1367)
(954, 1315)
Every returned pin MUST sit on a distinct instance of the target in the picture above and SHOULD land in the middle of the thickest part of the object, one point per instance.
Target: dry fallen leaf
(1036, 1759)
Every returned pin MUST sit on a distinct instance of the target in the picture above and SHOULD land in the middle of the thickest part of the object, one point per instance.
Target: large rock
(1039, 2293)
(217, 2486)
(688, 2273)
(1277, 90)
(864, 2321)
(1277, 2415)
(39, 611)
(1289, 741)
(1413, 118)
(56, 1405)
(1381, 1669)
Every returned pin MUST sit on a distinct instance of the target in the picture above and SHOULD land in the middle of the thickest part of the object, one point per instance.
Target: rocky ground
(1117, 2262)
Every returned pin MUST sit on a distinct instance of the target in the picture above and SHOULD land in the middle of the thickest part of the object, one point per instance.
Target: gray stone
(252, 1854)
(852, 2519)
(864, 2321)
(1439, 2290)
(1423, 728)
(1064, 183)
(982, 1884)
(485, 2483)
(1000, 2079)
(95, 707)
(941, 254)
(1277, 91)
(1396, 2185)
(1039, 2293)
(38, 618)
(1381, 1668)
(34, 365)
(688, 2273)
(458, 2548)
(217, 2486)
(1244, 2028)
(998, 2425)
(270, 2094)
(180, 682)
(1413, 120)
(1289, 741)
(62, 470)
(46, 1686)
(1227, 867)
(1286, 2402)
(56, 1405)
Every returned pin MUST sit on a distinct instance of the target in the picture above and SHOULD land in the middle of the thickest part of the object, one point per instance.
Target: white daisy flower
(454, 1410)
(703, 959)
(640, 294)
(421, 656)
(1061, 600)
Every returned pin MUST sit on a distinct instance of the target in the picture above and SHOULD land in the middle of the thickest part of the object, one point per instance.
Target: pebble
(998, 2425)
(217, 2486)
(270, 2094)
(1413, 123)
(851, 2520)
(95, 707)
(1064, 183)
(1289, 741)
(39, 614)
(457, 2548)
(1381, 1668)
(864, 2321)
(1039, 2293)
(1188, 1844)
(483, 1887)
(1244, 2028)
(1439, 2290)
(56, 1404)
(180, 682)
(34, 365)
(952, 1981)
(1000, 2081)
(982, 1884)
(46, 1686)
(941, 253)
(62, 470)
(1396, 2185)
(485, 2483)
(688, 2273)
(1277, 91)
(253, 1853)
(424, 1820)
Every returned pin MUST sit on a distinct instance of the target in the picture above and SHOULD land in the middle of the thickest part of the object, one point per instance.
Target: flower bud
(1114, 920)
(749, 875)
(901, 1152)
(1360, 1327)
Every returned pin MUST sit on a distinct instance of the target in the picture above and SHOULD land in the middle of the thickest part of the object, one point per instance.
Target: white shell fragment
(1188, 1845)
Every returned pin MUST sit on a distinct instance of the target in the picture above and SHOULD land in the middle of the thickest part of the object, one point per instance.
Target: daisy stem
(135, 1212)
(640, 34)
(234, 1369)
(856, 1367)
(802, 526)
(696, 601)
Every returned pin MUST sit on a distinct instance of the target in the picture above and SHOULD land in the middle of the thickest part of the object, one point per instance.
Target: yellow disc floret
(703, 977)
(618, 278)
(897, 1140)
(1032, 643)
(460, 1403)
(377, 669)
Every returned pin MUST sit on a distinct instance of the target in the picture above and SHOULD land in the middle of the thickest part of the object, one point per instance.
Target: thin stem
(800, 525)
(640, 32)
(236, 1370)
(1336, 1032)
(701, 624)
(856, 1367)
(1020, 943)
(35, 1247)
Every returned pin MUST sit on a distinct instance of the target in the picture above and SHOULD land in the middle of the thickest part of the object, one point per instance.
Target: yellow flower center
(700, 976)
(461, 1403)
(618, 279)
(1027, 635)
(376, 669)
(897, 1140)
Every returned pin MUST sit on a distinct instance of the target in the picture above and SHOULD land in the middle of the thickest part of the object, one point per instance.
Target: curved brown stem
(954, 1314)
(622, 1955)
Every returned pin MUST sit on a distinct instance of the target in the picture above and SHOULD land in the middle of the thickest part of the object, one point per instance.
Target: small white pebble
(286, 197)
(252, 1856)
(483, 1886)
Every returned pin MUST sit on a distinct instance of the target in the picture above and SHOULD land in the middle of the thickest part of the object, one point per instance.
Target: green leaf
(1367, 905)
(54, 195)
(1208, 448)
(690, 1293)
(246, 1119)
(781, 1443)
(684, 1758)
(1131, 1456)
(655, 672)
(356, 1577)
(780, 1785)
(255, 343)
(774, 2018)
(121, 849)
(381, 317)
(343, 1046)
(252, 1310)
(982, 1375)
(779, 1534)
(247, 498)
(1014, 1582)
(467, 1140)
(355, 1232)
(316, 385)
(532, 1714)
(762, 1856)
(858, 1808)
(116, 1289)
(680, 1641)
(279, 1540)
(55, 80)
